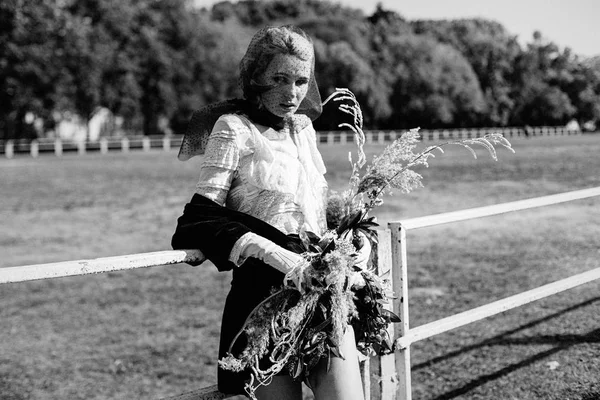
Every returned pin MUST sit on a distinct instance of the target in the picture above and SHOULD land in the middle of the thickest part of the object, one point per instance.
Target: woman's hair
(264, 46)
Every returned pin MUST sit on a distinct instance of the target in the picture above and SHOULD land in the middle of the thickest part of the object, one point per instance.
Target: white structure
(73, 127)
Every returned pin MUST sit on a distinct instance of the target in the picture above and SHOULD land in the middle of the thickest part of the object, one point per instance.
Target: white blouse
(269, 174)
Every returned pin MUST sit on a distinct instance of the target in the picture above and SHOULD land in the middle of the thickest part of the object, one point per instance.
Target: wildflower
(301, 328)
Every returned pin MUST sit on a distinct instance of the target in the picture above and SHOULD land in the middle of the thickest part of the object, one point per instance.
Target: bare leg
(342, 381)
(281, 387)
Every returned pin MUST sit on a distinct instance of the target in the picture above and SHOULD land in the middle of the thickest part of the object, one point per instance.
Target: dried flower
(296, 330)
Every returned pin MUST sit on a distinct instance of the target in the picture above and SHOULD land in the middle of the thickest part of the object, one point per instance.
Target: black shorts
(252, 282)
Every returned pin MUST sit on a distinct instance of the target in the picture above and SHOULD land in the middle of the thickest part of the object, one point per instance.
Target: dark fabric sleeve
(213, 229)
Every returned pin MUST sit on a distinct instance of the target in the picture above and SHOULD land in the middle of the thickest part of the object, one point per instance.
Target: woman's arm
(215, 229)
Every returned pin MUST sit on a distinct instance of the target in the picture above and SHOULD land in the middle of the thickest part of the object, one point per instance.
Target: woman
(261, 184)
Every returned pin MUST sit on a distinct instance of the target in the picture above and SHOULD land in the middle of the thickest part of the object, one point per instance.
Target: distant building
(573, 125)
(70, 126)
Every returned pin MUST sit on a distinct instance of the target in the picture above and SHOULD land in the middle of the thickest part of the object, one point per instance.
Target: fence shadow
(562, 342)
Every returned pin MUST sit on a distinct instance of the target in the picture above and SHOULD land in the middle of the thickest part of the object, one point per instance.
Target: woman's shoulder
(236, 123)
(236, 128)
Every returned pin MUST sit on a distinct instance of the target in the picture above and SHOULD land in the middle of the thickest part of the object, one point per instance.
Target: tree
(490, 50)
(343, 52)
(544, 105)
(435, 86)
(539, 74)
(29, 74)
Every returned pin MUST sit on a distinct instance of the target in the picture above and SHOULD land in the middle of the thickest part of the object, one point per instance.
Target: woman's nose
(295, 90)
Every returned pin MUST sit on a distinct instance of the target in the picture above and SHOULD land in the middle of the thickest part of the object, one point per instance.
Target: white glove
(283, 260)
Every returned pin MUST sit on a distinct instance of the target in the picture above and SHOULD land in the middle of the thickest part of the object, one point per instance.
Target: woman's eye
(279, 79)
(301, 82)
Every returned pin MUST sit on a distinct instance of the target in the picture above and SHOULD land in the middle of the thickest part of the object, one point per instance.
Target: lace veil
(265, 44)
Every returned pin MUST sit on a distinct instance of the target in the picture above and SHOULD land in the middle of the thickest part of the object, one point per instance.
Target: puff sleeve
(220, 161)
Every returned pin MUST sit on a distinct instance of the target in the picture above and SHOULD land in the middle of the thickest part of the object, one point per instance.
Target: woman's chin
(284, 112)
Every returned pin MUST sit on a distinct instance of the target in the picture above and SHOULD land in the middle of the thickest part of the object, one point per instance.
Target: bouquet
(302, 323)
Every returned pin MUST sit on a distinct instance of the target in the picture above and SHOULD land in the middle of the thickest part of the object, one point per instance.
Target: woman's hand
(289, 263)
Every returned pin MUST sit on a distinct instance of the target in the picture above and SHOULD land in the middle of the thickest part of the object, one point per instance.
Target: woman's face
(289, 76)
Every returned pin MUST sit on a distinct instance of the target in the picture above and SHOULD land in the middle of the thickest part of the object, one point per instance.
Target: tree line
(149, 61)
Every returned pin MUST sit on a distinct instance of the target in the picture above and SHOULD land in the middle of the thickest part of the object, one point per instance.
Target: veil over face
(287, 77)
(265, 45)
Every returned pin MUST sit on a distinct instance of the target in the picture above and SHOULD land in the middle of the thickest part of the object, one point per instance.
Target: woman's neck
(266, 118)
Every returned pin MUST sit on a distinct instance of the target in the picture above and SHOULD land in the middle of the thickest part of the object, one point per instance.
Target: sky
(568, 23)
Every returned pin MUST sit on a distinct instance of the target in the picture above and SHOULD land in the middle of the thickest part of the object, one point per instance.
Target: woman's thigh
(339, 378)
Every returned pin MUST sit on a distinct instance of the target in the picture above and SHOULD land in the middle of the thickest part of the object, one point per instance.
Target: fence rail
(387, 377)
(464, 318)
(104, 145)
(98, 265)
(406, 335)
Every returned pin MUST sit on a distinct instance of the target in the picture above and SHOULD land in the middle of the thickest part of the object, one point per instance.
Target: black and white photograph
(299, 200)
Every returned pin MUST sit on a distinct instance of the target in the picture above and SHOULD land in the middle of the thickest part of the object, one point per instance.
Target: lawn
(153, 332)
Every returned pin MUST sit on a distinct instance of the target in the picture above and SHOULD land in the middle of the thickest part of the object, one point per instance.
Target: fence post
(368, 137)
(166, 143)
(125, 145)
(103, 145)
(330, 137)
(146, 143)
(58, 148)
(34, 148)
(384, 379)
(400, 282)
(81, 147)
(9, 149)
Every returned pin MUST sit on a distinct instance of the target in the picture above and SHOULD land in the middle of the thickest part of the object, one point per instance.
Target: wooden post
(368, 137)
(9, 149)
(330, 137)
(34, 148)
(125, 145)
(400, 282)
(81, 147)
(103, 145)
(365, 376)
(146, 143)
(166, 143)
(58, 147)
(384, 379)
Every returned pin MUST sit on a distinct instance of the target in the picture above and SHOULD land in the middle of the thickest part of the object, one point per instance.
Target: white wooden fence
(387, 377)
(59, 147)
(407, 336)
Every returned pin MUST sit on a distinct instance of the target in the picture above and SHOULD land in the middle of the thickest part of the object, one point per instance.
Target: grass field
(153, 332)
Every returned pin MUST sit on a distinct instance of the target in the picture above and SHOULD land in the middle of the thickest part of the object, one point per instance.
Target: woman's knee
(339, 378)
